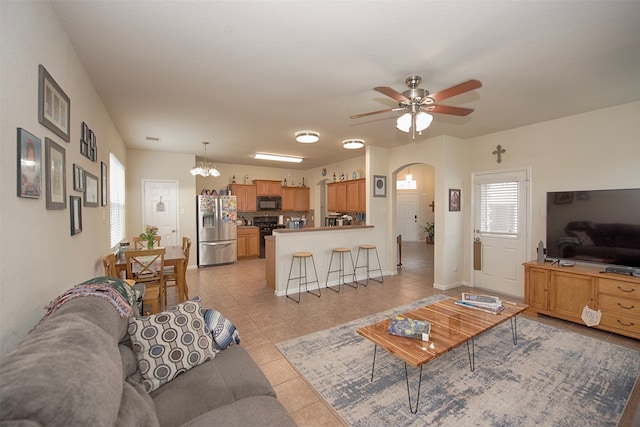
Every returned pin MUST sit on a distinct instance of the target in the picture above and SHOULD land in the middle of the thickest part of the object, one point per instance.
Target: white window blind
(117, 200)
(497, 212)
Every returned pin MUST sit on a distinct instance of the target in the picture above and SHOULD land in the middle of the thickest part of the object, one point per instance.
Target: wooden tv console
(563, 292)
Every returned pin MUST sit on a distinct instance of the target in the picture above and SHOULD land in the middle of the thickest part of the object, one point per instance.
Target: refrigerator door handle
(221, 243)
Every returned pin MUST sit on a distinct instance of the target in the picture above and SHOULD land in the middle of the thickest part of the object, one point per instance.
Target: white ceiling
(246, 75)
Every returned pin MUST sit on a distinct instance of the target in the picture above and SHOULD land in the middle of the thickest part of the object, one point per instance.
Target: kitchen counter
(284, 242)
(336, 228)
(247, 227)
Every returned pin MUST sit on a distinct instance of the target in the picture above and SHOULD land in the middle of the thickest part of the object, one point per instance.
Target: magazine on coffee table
(492, 310)
(410, 328)
(480, 300)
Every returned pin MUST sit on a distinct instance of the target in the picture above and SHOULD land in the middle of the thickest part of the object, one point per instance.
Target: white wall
(39, 259)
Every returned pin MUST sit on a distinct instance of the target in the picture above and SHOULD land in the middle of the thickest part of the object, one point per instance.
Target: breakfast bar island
(319, 241)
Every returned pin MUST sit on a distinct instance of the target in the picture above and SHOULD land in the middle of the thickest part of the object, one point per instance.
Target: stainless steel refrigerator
(217, 230)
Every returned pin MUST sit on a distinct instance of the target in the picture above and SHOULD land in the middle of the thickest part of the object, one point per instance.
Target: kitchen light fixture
(277, 157)
(409, 176)
(205, 168)
(307, 136)
(352, 144)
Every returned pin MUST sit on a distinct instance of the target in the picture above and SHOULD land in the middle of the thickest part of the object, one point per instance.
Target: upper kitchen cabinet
(295, 199)
(347, 196)
(245, 197)
(267, 187)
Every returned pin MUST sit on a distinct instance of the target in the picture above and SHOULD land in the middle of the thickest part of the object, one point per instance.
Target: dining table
(174, 256)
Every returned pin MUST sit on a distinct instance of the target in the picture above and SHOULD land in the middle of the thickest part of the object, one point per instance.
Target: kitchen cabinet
(347, 196)
(295, 199)
(563, 292)
(267, 187)
(246, 196)
(248, 242)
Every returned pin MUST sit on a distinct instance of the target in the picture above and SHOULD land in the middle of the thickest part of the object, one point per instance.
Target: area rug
(552, 377)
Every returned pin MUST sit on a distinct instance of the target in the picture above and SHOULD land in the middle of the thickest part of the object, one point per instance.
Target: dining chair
(147, 267)
(171, 275)
(109, 264)
(138, 243)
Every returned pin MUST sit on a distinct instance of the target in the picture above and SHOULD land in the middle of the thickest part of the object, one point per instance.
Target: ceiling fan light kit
(277, 157)
(307, 136)
(205, 168)
(415, 101)
(353, 144)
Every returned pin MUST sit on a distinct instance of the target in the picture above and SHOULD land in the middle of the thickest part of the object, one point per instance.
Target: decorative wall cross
(432, 206)
(498, 151)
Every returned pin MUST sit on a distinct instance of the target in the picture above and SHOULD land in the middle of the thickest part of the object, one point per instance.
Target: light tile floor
(239, 291)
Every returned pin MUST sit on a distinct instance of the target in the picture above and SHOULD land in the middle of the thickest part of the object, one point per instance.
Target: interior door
(407, 214)
(501, 231)
(160, 208)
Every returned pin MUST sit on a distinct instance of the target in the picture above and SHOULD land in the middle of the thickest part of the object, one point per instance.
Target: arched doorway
(414, 187)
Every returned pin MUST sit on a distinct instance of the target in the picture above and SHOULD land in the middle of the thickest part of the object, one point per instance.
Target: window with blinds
(497, 212)
(117, 200)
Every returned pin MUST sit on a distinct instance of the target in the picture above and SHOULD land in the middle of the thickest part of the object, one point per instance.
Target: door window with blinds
(497, 208)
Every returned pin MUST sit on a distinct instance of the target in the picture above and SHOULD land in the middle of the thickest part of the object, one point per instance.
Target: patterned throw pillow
(224, 332)
(170, 343)
(584, 238)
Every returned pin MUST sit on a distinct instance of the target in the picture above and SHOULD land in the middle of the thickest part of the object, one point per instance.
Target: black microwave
(264, 203)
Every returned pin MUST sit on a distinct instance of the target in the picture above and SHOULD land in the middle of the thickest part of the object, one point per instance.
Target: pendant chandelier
(205, 168)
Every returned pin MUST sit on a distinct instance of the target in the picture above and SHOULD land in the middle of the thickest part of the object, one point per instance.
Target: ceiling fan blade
(456, 90)
(357, 116)
(447, 109)
(392, 93)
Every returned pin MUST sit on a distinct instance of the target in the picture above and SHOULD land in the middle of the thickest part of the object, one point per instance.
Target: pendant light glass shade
(205, 168)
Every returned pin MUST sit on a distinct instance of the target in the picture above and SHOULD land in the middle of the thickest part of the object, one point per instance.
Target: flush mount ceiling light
(205, 168)
(307, 136)
(353, 144)
(277, 157)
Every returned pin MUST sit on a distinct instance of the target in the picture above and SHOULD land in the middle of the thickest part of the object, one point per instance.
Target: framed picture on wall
(379, 186)
(103, 184)
(90, 190)
(54, 106)
(56, 175)
(75, 214)
(454, 199)
(29, 165)
(78, 178)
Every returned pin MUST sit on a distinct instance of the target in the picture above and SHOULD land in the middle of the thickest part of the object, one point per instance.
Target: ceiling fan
(417, 102)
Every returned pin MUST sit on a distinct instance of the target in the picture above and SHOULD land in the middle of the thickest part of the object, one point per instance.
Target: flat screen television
(600, 226)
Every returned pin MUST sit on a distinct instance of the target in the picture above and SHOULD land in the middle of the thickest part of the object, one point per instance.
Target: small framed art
(454, 199)
(78, 178)
(379, 186)
(29, 165)
(56, 175)
(54, 106)
(90, 190)
(75, 214)
(103, 184)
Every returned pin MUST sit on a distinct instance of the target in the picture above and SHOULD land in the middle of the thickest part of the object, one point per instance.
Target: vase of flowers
(149, 235)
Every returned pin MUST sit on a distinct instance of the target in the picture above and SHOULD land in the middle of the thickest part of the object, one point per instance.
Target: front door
(407, 214)
(501, 231)
(160, 208)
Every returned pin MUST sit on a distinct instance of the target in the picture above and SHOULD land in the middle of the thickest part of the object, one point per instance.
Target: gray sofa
(77, 368)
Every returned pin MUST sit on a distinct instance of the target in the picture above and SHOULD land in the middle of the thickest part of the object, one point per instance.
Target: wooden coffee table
(451, 326)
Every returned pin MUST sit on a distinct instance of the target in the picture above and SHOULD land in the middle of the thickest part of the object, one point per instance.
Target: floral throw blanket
(115, 291)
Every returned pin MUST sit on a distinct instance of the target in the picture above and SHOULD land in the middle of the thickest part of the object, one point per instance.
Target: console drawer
(625, 306)
(629, 324)
(617, 287)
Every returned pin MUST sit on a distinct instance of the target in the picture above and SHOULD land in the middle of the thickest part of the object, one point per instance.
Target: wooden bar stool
(340, 270)
(367, 266)
(302, 258)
